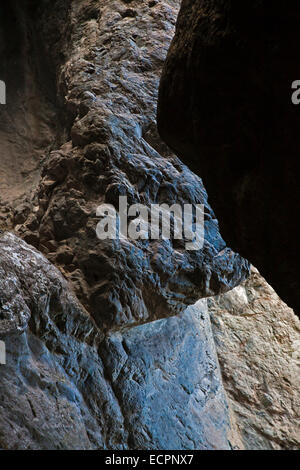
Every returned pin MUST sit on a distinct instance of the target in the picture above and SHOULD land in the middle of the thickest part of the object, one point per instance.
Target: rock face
(29, 120)
(257, 339)
(107, 375)
(155, 386)
(104, 347)
(66, 386)
(225, 108)
(108, 59)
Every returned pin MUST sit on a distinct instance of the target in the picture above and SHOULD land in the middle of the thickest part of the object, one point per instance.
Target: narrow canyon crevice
(225, 108)
(110, 349)
(30, 121)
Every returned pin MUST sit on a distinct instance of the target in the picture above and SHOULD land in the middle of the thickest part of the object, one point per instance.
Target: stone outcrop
(225, 108)
(103, 371)
(66, 386)
(107, 73)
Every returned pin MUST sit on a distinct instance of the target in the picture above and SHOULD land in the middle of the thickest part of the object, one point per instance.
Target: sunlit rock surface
(258, 343)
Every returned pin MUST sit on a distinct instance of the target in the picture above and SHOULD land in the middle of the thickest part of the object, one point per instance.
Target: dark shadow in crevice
(31, 123)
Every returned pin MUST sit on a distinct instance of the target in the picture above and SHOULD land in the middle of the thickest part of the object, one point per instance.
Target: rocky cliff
(106, 348)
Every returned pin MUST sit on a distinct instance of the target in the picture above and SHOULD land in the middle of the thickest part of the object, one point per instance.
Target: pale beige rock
(257, 339)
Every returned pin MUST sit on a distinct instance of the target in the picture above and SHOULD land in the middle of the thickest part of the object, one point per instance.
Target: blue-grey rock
(67, 386)
(112, 149)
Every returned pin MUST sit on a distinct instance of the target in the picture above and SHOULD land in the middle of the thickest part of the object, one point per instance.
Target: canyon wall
(106, 348)
(257, 337)
(226, 109)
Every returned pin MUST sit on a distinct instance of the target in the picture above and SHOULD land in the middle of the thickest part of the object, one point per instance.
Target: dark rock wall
(29, 122)
(110, 375)
(225, 107)
(103, 352)
(107, 76)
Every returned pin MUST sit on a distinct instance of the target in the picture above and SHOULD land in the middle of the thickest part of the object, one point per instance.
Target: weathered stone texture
(102, 351)
(257, 338)
(65, 386)
(108, 76)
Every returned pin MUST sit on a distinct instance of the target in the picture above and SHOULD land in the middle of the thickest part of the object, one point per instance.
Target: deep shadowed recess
(225, 108)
